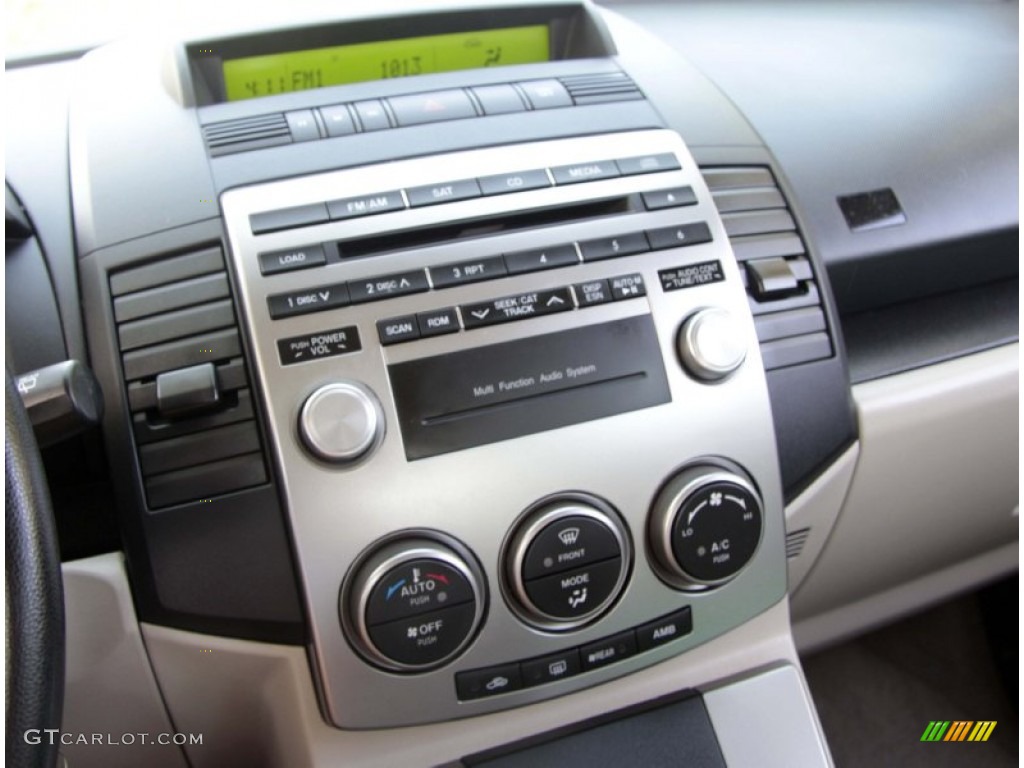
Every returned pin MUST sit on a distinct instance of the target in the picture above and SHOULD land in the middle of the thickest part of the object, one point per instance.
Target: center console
(522, 424)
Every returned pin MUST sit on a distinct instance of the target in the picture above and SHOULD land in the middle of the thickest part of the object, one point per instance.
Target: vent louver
(601, 88)
(246, 133)
(795, 541)
(781, 285)
(176, 326)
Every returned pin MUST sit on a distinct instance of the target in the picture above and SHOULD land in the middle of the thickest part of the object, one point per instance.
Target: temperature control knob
(341, 422)
(414, 604)
(705, 526)
(712, 344)
(566, 562)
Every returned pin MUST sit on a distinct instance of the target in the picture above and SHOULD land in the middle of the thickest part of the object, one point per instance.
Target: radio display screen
(255, 76)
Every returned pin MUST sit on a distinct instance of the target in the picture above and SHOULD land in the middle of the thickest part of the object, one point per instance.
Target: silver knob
(712, 344)
(341, 422)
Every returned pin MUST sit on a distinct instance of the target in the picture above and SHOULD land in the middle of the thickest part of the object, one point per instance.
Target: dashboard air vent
(781, 286)
(246, 133)
(188, 391)
(795, 541)
(601, 88)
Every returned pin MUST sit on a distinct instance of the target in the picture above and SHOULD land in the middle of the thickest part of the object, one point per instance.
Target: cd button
(503, 183)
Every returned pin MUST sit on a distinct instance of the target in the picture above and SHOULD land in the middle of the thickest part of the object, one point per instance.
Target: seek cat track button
(396, 329)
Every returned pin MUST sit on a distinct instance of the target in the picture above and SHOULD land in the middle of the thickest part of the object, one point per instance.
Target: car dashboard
(516, 383)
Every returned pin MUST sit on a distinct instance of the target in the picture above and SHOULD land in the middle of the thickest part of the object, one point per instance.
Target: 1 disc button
(416, 587)
(570, 542)
(577, 593)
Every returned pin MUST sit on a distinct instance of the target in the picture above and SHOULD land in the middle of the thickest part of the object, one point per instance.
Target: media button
(578, 172)
(551, 669)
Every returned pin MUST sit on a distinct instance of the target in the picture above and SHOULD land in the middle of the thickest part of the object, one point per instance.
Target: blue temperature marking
(394, 588)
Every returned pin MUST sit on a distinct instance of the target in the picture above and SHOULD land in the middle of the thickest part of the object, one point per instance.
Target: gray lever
(61, 399)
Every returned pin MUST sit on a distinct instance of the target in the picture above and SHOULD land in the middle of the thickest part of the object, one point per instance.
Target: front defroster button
(570, 542)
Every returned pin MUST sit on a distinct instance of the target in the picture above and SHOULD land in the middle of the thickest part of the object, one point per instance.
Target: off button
(425, 638)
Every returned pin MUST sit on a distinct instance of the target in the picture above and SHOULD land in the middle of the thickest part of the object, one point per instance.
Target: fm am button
(314, 346)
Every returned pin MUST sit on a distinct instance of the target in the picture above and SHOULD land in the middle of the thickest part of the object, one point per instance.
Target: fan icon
(716, 499)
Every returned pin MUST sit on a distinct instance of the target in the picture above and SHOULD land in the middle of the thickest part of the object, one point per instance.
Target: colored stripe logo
(958, 730)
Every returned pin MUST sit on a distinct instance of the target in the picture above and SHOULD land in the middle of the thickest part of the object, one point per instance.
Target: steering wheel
(34, 620)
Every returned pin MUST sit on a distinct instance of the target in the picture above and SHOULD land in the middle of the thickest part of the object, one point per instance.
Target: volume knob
(341, 422)
(712, 344)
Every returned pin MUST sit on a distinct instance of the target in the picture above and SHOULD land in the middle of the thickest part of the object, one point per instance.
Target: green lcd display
(254, 76)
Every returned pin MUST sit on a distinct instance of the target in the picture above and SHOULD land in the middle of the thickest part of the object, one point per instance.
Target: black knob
(567, 562)
(413, 605)
(705, 527)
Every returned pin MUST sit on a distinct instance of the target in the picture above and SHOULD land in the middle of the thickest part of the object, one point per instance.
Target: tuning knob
(341, 422)
(712, 344)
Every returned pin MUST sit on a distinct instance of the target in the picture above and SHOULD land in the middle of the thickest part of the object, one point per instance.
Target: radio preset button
(396, 329)
(498, 100)
(573, 594)
(463, 272)
(431, 107)
(570, 542)
(275, 262)
(677, 237)
(541, 258)
(449, 192)
(613, 247)
(388, 286)
(337, 120)
(669, 198)
(372, 115)
(546, 94)
(438, 322)
(304, 302)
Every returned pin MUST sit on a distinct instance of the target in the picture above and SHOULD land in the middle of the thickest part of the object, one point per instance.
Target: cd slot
(486, 227)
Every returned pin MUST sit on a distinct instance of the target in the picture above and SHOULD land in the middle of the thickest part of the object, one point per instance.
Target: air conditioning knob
(712, 344)
(705, 527)
(341, 422)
